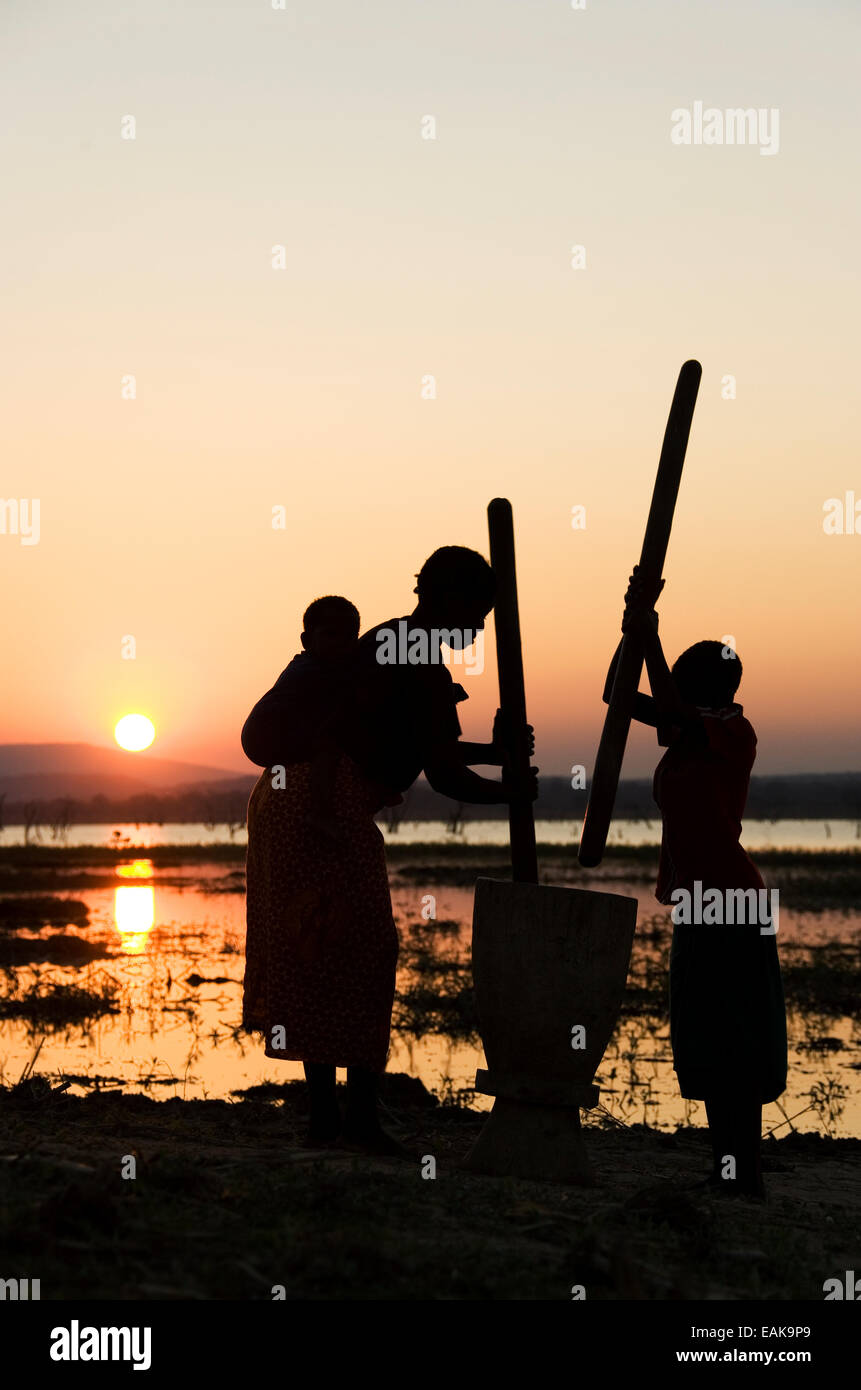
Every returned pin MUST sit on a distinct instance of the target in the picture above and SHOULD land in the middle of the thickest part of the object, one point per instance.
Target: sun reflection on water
(139, 868)
(134, 907)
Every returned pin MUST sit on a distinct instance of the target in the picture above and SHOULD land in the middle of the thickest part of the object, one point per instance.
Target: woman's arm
(483, 754)
(451, 777)
(448, 774)
(493, 754)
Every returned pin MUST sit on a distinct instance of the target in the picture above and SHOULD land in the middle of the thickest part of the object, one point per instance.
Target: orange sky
(404, 257)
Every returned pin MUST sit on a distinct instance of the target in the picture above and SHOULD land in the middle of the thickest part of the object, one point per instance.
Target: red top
(701, 786)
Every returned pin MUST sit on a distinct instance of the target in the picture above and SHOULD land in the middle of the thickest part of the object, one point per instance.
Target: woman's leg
(325, 1121)
(363, 1122)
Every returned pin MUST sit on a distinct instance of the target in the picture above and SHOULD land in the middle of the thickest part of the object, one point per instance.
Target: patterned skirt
(321, 946)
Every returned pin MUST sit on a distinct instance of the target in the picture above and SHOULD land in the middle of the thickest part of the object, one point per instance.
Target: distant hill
(82, 784)
(48, 771)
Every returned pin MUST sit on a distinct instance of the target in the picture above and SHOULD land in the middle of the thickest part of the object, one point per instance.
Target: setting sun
(134, 732)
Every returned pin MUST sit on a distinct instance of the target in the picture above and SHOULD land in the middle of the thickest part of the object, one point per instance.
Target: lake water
(172, 950)
(758, 834)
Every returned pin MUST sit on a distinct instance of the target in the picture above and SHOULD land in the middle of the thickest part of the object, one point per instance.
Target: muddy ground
(227, 1203)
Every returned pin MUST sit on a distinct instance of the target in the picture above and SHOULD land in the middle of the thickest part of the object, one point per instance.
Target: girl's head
(456, 588)
(707, 675)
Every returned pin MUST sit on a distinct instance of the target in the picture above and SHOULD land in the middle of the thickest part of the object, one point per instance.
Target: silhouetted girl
(727, 1015)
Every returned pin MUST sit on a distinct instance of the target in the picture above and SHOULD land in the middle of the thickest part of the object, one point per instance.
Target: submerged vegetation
(180, 981)
(435, 993)
(46, 1004)
(50, 910)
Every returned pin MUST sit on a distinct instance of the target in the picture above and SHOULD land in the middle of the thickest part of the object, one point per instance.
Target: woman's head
(456, 588)
(708, 675)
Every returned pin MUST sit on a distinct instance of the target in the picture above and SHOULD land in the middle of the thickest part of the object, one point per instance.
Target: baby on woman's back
(316, 684)
(300, 718)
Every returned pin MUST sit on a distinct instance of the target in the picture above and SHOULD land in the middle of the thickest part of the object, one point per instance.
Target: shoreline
(26, 855)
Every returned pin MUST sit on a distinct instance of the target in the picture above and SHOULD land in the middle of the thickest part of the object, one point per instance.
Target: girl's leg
(720, 1128)
(735, 1126)
(325, 1121)
(750, 1143)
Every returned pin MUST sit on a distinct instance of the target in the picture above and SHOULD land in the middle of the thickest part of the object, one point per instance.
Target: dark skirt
(321, 945)
(727, 1013)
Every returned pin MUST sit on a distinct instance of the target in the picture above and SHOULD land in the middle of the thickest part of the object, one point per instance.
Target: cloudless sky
(405, 257)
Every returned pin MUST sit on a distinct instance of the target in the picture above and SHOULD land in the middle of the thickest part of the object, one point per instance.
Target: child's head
(707, 675)
(331, 627)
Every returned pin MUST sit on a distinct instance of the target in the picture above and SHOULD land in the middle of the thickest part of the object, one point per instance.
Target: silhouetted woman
(322, 945)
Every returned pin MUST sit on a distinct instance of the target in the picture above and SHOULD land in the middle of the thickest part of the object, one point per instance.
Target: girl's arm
(642, 622)
(644, 710)
(668, 705)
